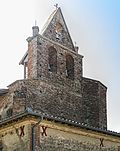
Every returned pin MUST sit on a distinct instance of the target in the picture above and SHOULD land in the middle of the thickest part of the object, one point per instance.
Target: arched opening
(52, 66)
(69, 67)
(58, 31)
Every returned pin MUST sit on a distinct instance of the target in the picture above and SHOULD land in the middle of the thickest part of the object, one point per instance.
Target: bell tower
(54, 76)
(52, 58)
(51, 55)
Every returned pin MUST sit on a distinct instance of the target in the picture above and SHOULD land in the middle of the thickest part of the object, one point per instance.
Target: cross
(22, 131)
(56, 5)
(101, 142)
(44, 133)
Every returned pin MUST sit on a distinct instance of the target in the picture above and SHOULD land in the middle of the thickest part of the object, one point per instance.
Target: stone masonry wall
(55, 144)
(53, 99)
(16, 137)
(94, 103)
(41, 64)
(63, 138)
(102, 106)
(6, 103)
(32, 58)
(53, 136)
(58, 34)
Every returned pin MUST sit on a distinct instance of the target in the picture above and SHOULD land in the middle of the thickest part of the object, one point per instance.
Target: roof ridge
(48, 20)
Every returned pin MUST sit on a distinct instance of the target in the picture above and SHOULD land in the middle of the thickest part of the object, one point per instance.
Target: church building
(54, 108)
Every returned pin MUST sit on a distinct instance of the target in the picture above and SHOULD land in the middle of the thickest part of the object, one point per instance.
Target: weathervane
(56, 6)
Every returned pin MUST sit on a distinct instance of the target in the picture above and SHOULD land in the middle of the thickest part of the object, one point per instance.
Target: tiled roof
(23, 58)
(3, 91)
(56, 119)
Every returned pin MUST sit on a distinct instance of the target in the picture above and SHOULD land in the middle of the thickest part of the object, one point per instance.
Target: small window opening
(52, 66)
(58, 36)
(9, 112)
(58, 31)
(69, 67)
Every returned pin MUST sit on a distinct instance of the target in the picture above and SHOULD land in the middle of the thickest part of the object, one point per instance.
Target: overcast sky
(93, 24)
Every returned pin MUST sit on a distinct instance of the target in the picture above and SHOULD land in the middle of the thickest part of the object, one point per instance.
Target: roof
(44, 27)
(43, 116)
(97, 81)
(3, 91)
(23, 58)
(48, 21)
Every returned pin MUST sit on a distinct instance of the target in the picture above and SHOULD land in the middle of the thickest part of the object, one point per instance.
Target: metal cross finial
(56, 5)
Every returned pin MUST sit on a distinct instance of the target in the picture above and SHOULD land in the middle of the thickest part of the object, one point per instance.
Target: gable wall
(13, 139)
(67, 138)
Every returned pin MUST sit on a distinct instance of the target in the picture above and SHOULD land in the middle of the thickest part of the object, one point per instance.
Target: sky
(93, 24)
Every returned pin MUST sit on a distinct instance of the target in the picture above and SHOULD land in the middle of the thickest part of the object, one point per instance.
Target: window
(9, 112)
(58, 31)
(52, 66)
(69, 67)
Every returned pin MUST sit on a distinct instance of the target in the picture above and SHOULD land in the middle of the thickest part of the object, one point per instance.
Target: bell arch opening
(52, 59)
(69, 67)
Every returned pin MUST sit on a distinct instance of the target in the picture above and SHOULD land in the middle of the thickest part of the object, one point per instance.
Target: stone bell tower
(54, 76)
(52, 58)
(52, 54)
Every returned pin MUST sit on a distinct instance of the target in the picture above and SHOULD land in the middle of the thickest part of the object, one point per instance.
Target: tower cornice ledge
(53, 42)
